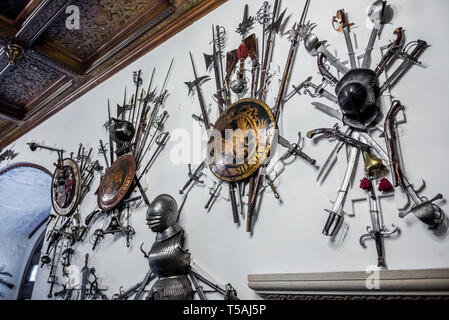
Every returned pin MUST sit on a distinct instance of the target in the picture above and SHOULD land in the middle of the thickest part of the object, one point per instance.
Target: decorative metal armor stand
(246, 155)
(168, 261)
(357, 94)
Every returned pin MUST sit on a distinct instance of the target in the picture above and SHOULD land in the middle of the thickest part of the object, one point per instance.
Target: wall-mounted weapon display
(242, 158)
(169, 261)
(7, 154)
(136, 139)
(358, 97)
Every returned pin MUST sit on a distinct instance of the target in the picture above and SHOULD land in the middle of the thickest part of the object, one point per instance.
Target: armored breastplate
(173, 288)
(167, 256)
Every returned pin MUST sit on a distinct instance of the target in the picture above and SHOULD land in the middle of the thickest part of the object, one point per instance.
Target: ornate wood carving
(113, 34)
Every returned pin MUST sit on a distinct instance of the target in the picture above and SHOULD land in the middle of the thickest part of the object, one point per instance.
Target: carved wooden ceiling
(44, 65)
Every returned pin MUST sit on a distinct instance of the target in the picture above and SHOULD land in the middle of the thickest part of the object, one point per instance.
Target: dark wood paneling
(12, 8)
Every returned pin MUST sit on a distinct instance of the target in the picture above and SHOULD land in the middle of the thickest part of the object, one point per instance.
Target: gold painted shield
(116, 182)
(241, 140)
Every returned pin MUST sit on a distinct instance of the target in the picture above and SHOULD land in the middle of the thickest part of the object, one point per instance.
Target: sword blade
(348, 40)
(334, 61)
(328, 110)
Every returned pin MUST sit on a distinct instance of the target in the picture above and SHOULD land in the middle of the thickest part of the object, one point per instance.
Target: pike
(220, 54)
(294, 148)
(257, 181)
(345, 27)
(334, 133)
(409, 59)
(160, 125)
(138, 82)
(263, 16)
(247, 23)
(273, 29)
(196, 83)
(378, 17)
(161, 141)
(218, 83)
(335, 218)
(158, 101)
(103, 152)
(194, 177)
(111, 146)
(376, 231)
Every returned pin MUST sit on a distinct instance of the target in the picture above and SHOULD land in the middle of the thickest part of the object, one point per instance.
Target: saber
(344, 26)
(332, 156)
(334, 133)
(377, 17)
(390, 141)
(376, 231)
(335, 219)
(409, 59)
(194, 176)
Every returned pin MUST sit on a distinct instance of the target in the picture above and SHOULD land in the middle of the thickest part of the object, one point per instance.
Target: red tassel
(242, 52)
(385, 185)
(365, 184)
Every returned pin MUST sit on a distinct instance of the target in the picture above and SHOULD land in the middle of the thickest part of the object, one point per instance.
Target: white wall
(287, 238)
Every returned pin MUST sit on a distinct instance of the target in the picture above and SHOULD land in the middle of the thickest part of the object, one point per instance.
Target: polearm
(200, 96)
(138, 82)
(159, 127)
(111, 146)
(143, 115)
(158, 101)
(218, 80)
(267, 51)
(256, 181)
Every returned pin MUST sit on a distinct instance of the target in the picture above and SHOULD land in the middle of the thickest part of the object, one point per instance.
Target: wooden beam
(138, 49)
(11, 112)
(26, 12)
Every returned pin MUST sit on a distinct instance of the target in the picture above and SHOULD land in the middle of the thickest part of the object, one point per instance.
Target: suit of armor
(168, 260)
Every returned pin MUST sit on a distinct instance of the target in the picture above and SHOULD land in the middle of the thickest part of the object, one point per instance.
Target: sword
(294, 148)
(85, 272)
(376, 231)
(409, 59)
(194, 176)
(161, 142)
(196, 83)
(335, 219)
(377, 17)
(342, 19)
(214, 194)
(103, 152)
(111, 146)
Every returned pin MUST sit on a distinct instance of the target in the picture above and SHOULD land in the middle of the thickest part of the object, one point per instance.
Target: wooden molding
(110, 67)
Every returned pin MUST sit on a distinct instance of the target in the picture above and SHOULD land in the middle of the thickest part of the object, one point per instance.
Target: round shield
(241, 140)
(66, 186)
(116, 182)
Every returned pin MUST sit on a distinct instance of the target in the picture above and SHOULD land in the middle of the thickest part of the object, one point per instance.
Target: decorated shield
(66, 186)
(241, 140)
(116, 182)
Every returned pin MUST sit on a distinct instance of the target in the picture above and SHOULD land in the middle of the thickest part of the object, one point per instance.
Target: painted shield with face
(241, 140)
(66, 186)
(116, 182)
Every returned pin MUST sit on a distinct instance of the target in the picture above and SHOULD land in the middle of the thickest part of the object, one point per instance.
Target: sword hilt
(333, 224)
